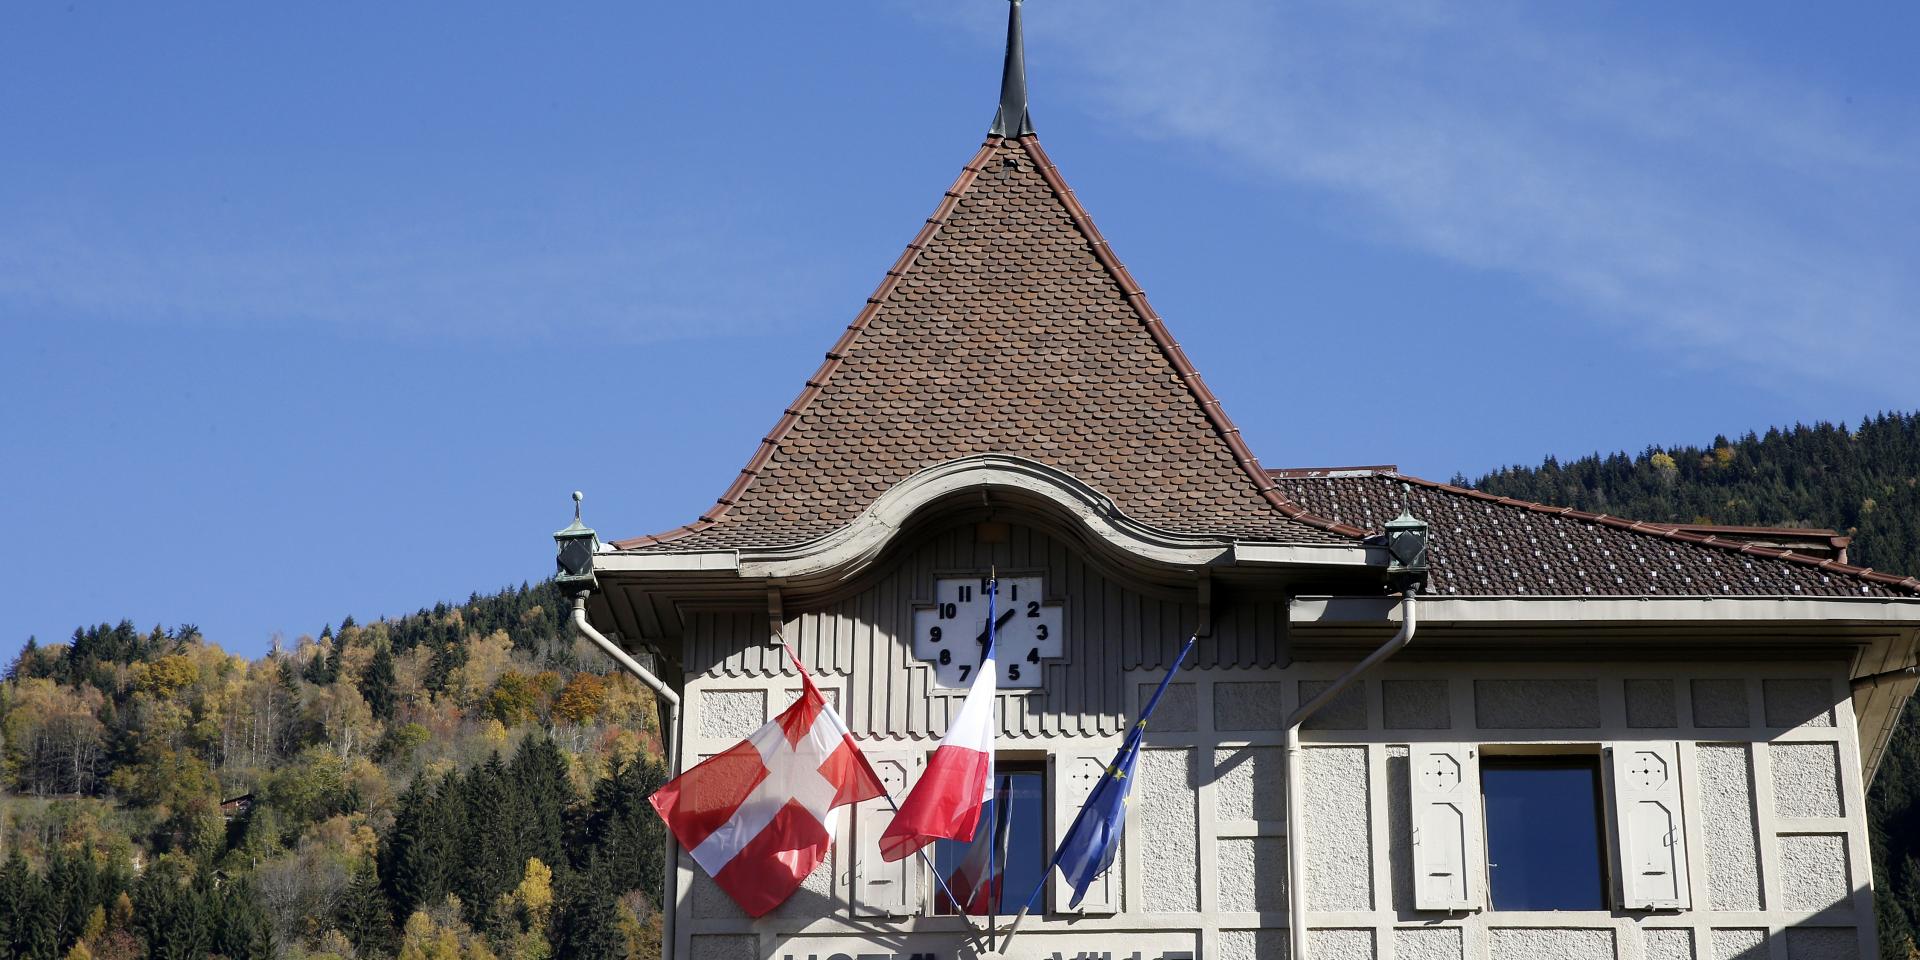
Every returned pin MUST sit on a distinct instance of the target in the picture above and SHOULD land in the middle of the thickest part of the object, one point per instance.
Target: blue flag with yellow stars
(1094, 839)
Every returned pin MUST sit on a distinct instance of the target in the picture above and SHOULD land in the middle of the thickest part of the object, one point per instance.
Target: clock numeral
(933, 635)
(1013, 671)
(1016, 591)
(949, 610)
(1033, 608)
(986, 585)
(946, 657)
(1039, 631)
(1033, 656)
(964, 670)
(966, 593)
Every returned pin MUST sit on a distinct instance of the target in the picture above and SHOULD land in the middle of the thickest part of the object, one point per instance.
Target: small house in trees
(1597, 738)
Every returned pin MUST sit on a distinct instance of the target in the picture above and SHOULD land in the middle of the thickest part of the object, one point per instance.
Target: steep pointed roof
(1007, 327)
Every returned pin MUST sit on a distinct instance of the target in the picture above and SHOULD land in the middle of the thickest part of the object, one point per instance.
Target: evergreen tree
(376, 684)
(422, 848)
(363, 914)
(588, 925)
(238, 928)
(491, 863)
(541, 793)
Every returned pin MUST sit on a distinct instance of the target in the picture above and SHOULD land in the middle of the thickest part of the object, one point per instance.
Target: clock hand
(997, 624)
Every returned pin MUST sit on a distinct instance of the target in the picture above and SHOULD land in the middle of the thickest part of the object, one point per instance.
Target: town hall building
(1701, 707)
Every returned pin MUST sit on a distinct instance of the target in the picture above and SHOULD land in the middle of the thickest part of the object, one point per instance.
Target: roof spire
(1011, 120)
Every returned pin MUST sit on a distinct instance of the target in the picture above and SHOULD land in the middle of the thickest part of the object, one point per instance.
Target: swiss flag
(757, 817)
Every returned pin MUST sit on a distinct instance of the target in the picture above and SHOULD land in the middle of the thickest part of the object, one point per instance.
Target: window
(1021, 792)
(1543, 832)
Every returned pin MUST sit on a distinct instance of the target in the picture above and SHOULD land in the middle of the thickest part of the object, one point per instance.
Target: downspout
(1296, 813)
(668, 901)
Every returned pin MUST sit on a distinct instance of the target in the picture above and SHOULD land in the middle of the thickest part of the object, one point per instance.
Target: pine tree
(588, 927)
(377, 683)
(490, 862)
(363, 913)
(238, 928)
(541, 793)
(421, 849)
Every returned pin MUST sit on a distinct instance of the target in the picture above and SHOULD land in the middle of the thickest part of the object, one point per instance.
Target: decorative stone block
(1796, 702)
(1427, 943)
(1561, 943)
(1668, 944)
(1248, 706)
(1170, 865)
(1416, 704)
(1340, 944)
(1268, 944)
(1399, 826)
(1806, 779)
(1726, 806)
(1650, 706)
(1720, 703)
(1253, 874)
(1179, 709)
(1348, 711)
(1249, 783)
(731, 714)
(1339, 851)
(1536, 704)
(1822, 943)
(1813, 870)
(1739, 943)
(731, 946)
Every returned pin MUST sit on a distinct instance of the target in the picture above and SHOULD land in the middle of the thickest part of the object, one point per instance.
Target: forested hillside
(466, 782)
(1864, 482)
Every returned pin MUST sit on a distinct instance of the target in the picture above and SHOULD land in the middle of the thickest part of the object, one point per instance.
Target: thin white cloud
(1709, 207)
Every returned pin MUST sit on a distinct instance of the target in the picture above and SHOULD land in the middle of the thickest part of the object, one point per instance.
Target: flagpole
(1137, 732)
(801, 668)
(993, 895)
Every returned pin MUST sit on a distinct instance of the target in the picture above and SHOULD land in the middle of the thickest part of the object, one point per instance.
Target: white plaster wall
(1772, 811)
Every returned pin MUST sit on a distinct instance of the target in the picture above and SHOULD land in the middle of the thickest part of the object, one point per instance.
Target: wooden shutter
(879, 888)
(1076, 777)
(1448, 853)
(1650, 859)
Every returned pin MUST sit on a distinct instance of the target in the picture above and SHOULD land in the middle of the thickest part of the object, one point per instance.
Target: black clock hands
(997, 624)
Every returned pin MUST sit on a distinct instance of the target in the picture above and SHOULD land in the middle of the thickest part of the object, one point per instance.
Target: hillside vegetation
(459, 784)
(1864, 482)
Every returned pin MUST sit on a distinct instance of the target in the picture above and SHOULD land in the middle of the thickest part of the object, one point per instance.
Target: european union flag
(1094, 839)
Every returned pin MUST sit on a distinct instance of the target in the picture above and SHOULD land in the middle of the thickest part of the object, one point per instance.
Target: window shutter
(1448, 854)
(882, 889)
(1076, 778)
(1651, 857)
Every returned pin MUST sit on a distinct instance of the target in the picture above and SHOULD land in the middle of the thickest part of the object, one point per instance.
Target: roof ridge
(1647, 528)
(835, 354)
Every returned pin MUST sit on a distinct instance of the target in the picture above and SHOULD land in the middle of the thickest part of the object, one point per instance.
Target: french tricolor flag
(945, 803)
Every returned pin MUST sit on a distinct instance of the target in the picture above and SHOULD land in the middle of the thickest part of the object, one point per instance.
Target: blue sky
(319, 311)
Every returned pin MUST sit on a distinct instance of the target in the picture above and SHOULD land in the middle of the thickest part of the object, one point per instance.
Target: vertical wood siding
(861, 640)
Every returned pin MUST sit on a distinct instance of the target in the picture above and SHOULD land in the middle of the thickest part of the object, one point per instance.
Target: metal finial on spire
(1012, 120)
(577, 497)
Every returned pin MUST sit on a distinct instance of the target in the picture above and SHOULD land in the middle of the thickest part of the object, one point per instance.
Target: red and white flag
(977, 880)
(758, 818)
(945, 803)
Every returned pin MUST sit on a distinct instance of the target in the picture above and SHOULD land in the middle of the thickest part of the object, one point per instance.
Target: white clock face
(952, 634)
